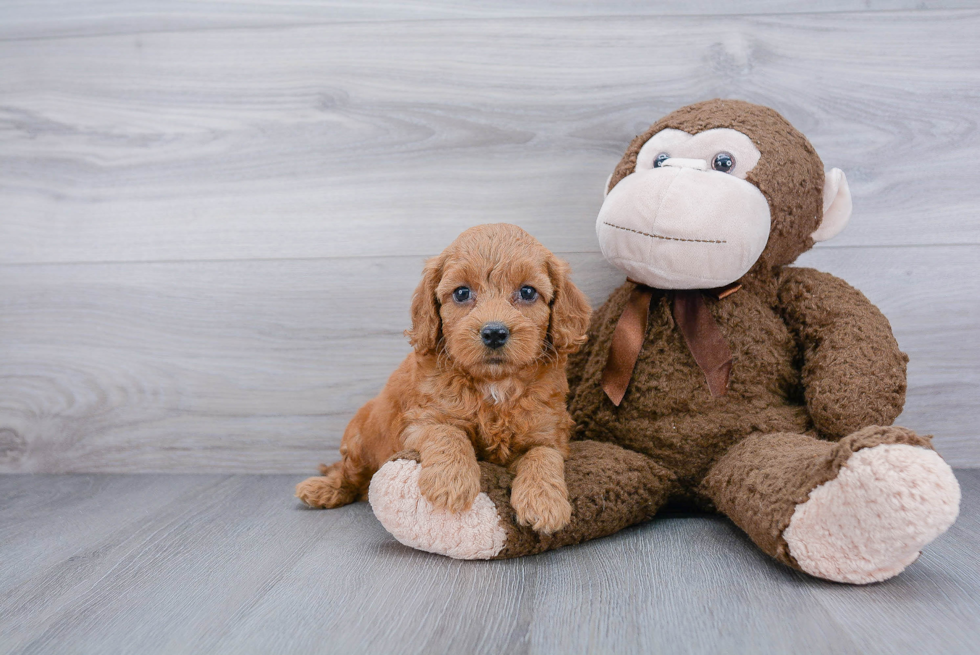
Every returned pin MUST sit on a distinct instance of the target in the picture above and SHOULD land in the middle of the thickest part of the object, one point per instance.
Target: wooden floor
(232, 564)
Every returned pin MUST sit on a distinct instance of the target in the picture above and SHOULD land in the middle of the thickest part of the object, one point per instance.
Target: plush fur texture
(598, 507)
(817, 377)
(475, 533)
(848, 529)
(789, 174)
(456, 400)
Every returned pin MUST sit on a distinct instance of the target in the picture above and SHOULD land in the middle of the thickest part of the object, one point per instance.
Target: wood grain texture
(380, 138)
(32, 19)
(212, 214)
(232, 564)
(258, 366)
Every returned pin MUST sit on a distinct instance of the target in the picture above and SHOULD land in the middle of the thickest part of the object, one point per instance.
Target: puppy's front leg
(539, 495)
(450, 477)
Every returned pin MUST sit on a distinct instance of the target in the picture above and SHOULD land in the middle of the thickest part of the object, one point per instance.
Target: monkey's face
(686, 217)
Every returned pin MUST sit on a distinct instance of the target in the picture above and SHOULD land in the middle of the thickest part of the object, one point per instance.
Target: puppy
(493, 322)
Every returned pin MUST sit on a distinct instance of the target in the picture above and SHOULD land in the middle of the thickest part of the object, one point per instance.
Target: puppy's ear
(426, 323)
(570, 310)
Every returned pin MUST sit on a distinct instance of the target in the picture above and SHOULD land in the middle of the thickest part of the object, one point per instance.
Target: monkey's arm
(853, 371)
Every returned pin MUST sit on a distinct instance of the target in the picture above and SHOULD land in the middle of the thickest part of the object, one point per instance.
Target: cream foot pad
(871, 521)
(397, 502)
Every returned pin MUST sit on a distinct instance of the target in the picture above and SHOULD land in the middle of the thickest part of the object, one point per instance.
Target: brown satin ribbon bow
(699, 328)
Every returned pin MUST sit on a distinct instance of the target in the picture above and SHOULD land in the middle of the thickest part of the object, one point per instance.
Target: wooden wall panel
(24, 19)
(212, 215)
(386, 138)
(258, 366)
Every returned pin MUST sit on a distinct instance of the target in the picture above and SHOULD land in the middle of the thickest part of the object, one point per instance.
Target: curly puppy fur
(456, 400)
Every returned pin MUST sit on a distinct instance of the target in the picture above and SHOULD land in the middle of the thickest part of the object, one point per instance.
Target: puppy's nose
(494, 335)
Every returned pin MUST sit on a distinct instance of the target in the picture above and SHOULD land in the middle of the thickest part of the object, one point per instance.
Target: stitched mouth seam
(658, 236)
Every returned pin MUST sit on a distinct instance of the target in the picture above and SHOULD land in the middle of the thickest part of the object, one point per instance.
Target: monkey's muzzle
(683, 227)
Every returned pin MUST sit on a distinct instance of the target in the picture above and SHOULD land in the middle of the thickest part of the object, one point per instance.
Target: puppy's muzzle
(494, 335)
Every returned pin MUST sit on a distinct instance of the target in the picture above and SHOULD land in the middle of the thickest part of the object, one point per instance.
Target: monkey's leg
(858, 510)
(609, 488)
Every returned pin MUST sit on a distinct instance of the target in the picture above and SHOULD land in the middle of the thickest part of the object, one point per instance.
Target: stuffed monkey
(720, 377)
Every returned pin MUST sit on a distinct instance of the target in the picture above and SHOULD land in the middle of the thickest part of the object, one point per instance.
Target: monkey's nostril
(494, 335)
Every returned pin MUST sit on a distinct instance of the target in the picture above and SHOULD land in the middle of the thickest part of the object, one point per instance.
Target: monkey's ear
(836, 206)
(606, 191)
(426, 322)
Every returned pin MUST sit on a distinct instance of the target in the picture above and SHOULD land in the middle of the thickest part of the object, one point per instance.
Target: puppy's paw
(324, 492)
(450, 485)
(540, 505)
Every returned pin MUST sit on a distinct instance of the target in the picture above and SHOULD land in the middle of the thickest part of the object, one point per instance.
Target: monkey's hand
(853, 371)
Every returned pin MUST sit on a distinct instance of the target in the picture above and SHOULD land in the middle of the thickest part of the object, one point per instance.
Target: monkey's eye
(659, 160)
(723, 162)
(529, 293)
(461, 294)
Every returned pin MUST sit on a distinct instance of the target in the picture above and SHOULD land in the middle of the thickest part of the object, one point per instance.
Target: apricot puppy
(493, 322)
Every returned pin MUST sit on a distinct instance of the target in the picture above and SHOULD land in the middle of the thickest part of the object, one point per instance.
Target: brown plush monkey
(719, 376)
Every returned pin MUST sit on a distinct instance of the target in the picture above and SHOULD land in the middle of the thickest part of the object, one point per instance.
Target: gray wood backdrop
(212, 214)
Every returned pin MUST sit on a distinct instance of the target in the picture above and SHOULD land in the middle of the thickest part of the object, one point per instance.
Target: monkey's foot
(871, 521)
(397, 501)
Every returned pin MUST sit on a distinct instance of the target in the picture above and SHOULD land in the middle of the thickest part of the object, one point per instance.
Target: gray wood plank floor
(232, 564)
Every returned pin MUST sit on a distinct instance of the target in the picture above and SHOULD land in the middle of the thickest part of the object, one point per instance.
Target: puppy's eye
(529, 293)
(461, 294)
